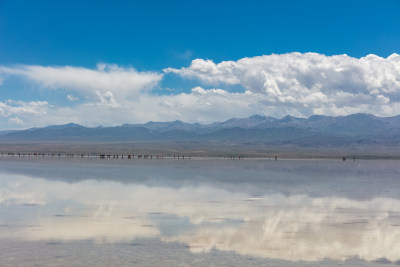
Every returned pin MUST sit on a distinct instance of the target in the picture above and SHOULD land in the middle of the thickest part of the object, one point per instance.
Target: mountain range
(317, 130)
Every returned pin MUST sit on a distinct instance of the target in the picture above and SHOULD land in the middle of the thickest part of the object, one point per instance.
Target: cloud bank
(274, 85)
(309, 83)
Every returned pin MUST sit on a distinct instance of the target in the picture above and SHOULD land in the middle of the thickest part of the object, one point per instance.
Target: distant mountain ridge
(316, 130)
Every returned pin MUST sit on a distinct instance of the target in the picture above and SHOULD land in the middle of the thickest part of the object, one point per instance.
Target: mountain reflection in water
(298, 226)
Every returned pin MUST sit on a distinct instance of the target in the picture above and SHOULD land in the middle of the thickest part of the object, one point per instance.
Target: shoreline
(133, 157)
(209, 150)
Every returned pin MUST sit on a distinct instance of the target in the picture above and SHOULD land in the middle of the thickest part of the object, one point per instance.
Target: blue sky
(107, 63)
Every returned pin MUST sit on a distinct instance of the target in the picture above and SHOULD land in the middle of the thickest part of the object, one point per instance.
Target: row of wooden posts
(116, 156)
(105, 156)
(129, 156)
(101, 156)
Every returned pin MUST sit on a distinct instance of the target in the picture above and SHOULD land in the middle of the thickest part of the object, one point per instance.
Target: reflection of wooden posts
(276, 157)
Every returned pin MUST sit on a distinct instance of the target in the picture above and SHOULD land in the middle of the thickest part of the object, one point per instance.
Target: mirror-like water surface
(60, 212)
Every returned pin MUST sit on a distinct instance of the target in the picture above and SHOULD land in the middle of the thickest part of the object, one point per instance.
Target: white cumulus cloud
(11, 108)
(71, 97)
(16, 120)
(309, 82)
(123, 82)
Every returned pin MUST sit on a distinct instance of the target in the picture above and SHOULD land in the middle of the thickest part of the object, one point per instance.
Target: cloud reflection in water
(296, 227)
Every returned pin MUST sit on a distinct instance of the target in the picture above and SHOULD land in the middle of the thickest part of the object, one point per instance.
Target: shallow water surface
(199, 212)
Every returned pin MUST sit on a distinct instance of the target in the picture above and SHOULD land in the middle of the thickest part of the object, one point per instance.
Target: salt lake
(199, 212)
